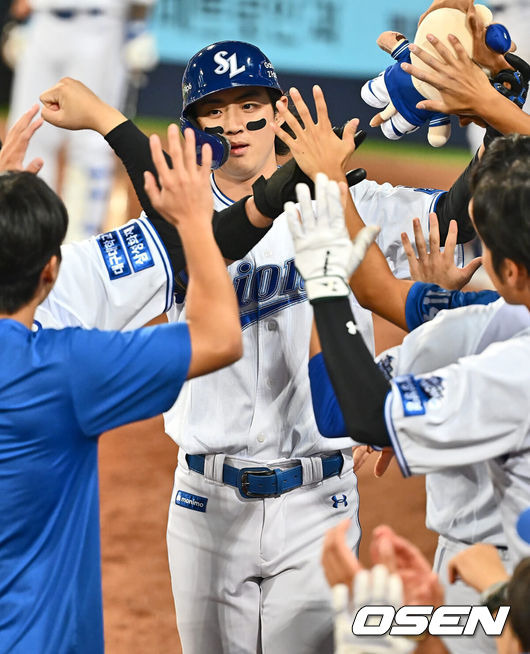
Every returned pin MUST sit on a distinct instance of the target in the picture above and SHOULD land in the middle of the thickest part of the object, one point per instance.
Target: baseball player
(458, 523)
(425, 410)
(84, 39)
(58, 393)
(273, 551)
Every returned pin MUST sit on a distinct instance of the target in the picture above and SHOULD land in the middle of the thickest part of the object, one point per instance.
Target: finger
(175, 148)
(283, 135)
(303, 195)
(321, 107)
(33, 127)
(151, 188)
(437, 106)
(360, 456)
(386, 554)
(450, 240)
(189, 153)
(285, 113)
(441, 49)
(469, 270)
(382, 463)
(425, 76)
(426, 57)
(323, 213)
(350, 130)
(452, 570)
(158, 156)
(364, 240)
(206, 159)
(411, 255)
(294, 222)
(459, 49)
(344, 192)
(35, 165)
(434, 234)
(335, 209)
(301, 107)
(419, 239)
(26, 118)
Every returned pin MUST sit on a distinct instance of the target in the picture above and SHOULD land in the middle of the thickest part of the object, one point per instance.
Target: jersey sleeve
(393, 208)
(328, 414)
(470, 411)
(118, 280)
(120, 377)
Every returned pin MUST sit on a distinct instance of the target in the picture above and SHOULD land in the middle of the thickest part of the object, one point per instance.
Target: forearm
(503, 115)
(373, 283)
(360, 387)
(210, 294)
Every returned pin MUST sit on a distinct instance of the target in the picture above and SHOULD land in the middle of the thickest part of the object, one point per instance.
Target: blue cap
(523, 525)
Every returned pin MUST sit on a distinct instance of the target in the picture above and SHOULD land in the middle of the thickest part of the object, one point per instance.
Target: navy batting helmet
(225, 65)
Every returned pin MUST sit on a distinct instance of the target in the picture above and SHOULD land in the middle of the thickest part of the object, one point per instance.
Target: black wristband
(360, 386)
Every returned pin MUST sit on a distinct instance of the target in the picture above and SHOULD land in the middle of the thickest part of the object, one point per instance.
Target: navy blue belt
(266, 482)
(66, 14)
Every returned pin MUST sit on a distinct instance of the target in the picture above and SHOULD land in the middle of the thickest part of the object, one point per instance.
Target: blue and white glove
(326, 257)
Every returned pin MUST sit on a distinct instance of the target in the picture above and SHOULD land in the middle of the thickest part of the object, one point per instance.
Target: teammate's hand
(421, 585)
(362, 453)
(436, 266)
(71, 105)
(462, 84)
(17, 140)
(339, 562)
(479, 566)
(316, 147)
(325, 256)
(184, 198)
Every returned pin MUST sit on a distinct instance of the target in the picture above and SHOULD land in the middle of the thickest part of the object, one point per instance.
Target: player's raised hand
(72, 105)
(17, 140)
(183, 194)
(339, 562)
(479, 566)
(326, 257)
(434, 265)
(315, 146)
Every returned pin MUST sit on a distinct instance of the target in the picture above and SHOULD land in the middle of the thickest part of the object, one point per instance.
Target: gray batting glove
(325, 255)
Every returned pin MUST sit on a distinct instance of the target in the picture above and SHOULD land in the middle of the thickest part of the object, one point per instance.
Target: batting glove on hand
(325, 255)
(371, 587)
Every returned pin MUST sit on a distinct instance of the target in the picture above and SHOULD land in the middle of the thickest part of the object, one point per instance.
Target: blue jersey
(58, 391)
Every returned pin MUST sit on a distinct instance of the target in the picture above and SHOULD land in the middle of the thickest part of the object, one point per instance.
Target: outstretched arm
(185, 200)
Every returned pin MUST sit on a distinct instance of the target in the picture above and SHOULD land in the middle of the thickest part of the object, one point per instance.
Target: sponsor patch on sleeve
(416, 392)
(137, 247)
(189, 501)
(113, 255)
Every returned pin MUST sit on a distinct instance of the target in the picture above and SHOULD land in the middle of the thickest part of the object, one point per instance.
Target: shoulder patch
(416, 392)
(113, 255)
(137, 247)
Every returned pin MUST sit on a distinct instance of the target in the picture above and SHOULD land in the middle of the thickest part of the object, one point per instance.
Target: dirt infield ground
(136, 473)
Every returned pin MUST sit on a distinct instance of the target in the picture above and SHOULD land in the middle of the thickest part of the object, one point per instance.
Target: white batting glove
(325, 255)
(140, 51)
(371, 587)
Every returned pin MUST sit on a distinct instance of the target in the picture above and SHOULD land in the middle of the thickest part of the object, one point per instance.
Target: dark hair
(518, 597)
(500, 185)
(33, 222)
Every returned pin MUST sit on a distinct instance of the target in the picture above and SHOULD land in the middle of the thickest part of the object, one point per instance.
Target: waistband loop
(213, 467)
(312, 471)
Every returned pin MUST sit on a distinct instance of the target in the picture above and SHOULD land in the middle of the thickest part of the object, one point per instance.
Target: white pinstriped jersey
(260, 407)
(463, 409)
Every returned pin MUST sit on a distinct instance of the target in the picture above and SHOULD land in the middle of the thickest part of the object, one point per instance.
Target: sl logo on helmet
(230, 63)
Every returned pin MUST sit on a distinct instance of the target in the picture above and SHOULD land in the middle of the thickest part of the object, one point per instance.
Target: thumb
(365, 238)
(348, 132)
(35, 166)
(471, 268)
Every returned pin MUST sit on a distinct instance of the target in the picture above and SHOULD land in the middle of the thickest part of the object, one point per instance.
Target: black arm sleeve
(453, 206)
(234, 234)
(360, 386)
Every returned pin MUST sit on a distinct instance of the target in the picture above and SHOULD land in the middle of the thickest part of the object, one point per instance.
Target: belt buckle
(243, 482)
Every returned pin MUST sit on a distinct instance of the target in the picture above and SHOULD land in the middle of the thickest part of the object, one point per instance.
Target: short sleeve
(118, 280)
(121, 377)
(471, 411)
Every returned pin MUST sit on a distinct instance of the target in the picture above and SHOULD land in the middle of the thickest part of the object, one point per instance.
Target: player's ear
(284, 101)
(515, 275)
